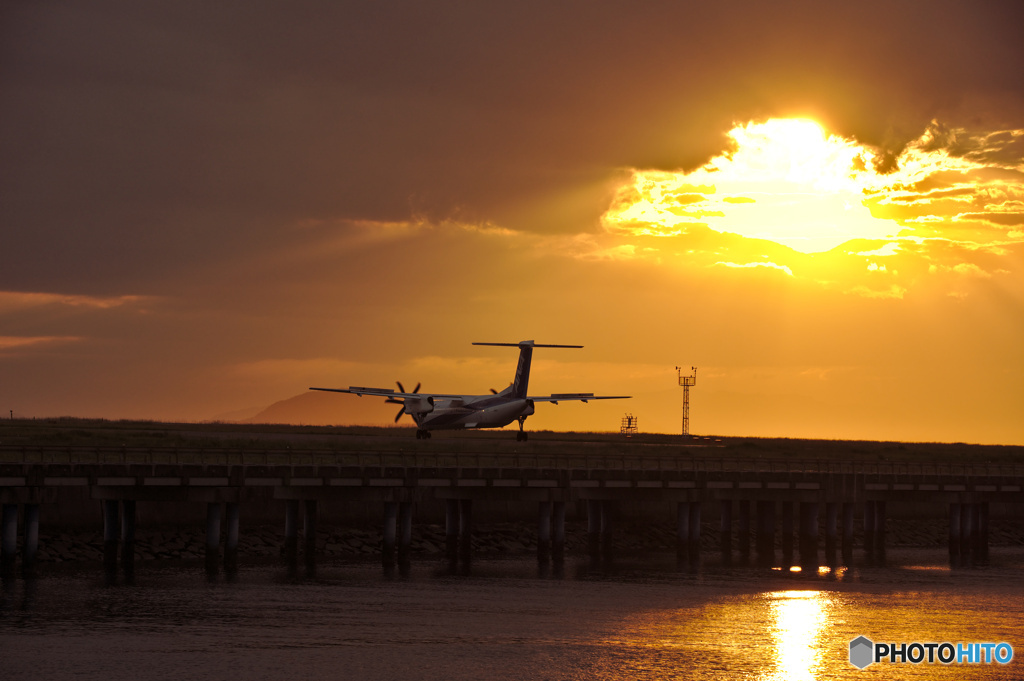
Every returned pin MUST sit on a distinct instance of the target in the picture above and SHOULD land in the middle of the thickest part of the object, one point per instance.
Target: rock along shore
(492, 539)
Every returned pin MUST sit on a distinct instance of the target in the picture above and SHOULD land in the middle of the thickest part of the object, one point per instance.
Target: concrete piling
(725, 526)
(451, 528)
(9, 539)
(390, 530)
(543, 530)
(213, 518)
(110, 535)
(404, 531)
(743, 527)
(466, 528)
(869, 526)
(594, 527)
(848, 511)
(954, 529)
(809, 532)
(694, 528)
(231, 536)
(766, 528)
(128, 536)
(291, 530)
(31, 545)
(683, 527)
(558, 531)
(787, 528)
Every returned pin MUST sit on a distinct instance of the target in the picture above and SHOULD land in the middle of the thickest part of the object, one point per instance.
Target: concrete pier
(869, 526)
(451, 528)
(766, 528)
(594, 512)
(558, 531)
(743, 527)
(809, 531)
(128, 537)
(848, 511)
(694, 527)
(725, 526)
(787, 528)
(9, 539)
(966, 528)
(291, 529)
(465, 528)
(389, 532)
(31, 546)
(231, 536)
(544, 509)
(683, 527)
(111, 528)
(954, 529)
(404, 530)
(213, 521)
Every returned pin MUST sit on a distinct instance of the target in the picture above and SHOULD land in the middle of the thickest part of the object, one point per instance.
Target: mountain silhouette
(327, 409)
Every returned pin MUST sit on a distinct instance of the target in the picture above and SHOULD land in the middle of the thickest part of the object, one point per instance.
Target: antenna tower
(686, 382)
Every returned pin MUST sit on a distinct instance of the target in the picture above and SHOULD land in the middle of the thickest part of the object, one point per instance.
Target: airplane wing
(382, 392)
(582, 397)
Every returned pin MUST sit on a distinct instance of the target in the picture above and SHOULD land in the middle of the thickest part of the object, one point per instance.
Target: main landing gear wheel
(521, 435)
(422, 434)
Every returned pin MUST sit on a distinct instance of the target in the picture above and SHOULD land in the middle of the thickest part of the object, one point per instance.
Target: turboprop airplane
(438, 411)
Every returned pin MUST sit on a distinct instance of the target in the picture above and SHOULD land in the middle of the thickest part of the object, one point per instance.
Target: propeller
(392, 400)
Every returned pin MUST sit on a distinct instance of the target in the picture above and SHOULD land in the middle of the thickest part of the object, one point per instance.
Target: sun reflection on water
(797, 623)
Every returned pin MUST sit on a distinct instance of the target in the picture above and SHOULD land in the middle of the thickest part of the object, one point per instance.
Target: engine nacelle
(419, 405)
(528, 411)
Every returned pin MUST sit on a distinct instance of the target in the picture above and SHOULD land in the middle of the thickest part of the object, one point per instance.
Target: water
(640, 618)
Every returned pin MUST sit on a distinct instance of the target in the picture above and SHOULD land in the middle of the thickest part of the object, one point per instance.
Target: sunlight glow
(799, 620)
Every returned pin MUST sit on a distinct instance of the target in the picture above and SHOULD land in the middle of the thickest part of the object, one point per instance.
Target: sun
(784, 180)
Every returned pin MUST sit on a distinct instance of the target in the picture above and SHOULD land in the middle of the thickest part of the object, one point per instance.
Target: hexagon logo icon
(861, 652)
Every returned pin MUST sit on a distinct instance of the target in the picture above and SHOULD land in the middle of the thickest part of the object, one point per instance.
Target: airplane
(438, 411)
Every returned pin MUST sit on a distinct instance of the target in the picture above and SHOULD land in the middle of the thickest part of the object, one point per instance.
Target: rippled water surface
(638, 618)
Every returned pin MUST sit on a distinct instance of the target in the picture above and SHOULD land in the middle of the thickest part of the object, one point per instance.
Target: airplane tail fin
(522, 381)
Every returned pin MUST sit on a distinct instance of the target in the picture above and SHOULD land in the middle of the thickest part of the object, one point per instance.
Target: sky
(207, 208)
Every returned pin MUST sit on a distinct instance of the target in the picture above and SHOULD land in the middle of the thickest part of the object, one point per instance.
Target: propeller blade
(493, 391)
(399, 414)
(417, 388)
(400, 388)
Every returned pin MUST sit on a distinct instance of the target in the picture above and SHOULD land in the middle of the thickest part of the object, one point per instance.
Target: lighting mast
(686, 382)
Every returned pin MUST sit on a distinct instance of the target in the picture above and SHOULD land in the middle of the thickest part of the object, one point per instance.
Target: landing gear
(521, 435)
(422, 434)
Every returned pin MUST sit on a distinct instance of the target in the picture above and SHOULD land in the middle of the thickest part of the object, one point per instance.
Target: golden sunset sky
(206, 208)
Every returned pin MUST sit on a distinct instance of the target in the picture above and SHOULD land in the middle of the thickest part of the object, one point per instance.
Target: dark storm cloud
(142, 142)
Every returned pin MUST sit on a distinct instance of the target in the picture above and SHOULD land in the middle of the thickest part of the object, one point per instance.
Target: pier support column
(766, 528)
(683, 527)
(9, 539)
(594, 527)
(981, 528)
(607, 523)
(966, 527)
(128, 537)
(390, 531)
(291, 529)
(231, 537)
(694, 528)
(466, 528)
(954, 529)
(809, 532)
(880, 526)
(787, 528)
(543, 530)
(213, 516)
(558, 531)
(725, 526)
(869, 526)
(847, 528)
(451, 528)
(404, 531)
(30, 549)
(110, 535)
(743, 527)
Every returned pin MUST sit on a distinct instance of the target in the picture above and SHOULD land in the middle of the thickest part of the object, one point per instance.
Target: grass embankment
(73, 432)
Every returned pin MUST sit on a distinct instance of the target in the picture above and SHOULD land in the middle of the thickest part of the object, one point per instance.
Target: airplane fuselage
(469, 411)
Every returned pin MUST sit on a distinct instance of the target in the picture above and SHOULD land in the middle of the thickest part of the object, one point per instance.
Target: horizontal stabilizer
(529, 344)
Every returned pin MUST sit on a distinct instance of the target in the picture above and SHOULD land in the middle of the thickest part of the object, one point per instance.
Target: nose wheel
(422, 434)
